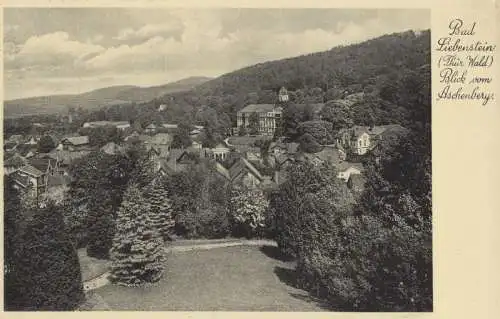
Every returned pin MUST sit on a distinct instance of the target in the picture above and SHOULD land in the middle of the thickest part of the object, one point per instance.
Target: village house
(150, 129)
(280, 148)
(269, 115)
(9, 146)
(355, 140)
(359, 140)
(16, 138)
(161, 143)
(196, 145)
(251, 153)
(220, 152)
(171, 128)
(32, 177)
(13, 163)
(30, 180)
(137, 138)
(75, 143)
(242, 172)
(346, 170)
(56, 188)
(32, 140)
(112, 148)
(64, 159)
(281, 165)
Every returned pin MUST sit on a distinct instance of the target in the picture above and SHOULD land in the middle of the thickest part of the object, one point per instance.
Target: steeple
(283, 95)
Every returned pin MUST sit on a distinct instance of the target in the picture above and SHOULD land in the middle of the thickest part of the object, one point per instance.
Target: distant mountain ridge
(95, 99)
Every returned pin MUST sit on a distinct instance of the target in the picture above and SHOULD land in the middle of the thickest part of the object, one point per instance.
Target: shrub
(248, 211)
(200, 198)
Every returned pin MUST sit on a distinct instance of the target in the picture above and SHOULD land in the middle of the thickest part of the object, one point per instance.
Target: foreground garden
(234, 278)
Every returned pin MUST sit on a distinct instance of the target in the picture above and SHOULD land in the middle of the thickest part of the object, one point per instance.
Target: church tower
(283, 95)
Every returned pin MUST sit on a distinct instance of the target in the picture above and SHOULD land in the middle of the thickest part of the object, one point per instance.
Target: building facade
(269, 115)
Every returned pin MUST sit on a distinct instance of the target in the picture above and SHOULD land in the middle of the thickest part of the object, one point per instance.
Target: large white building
(269, 114)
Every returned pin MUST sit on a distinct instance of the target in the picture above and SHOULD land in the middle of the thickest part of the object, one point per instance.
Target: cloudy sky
(58, 51)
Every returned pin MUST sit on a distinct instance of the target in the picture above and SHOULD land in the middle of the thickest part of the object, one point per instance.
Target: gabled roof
(242, 164)
(258, 108)
(175, 154)
(246, 148)
(42, 164)
(359, 130)
(151, 126)
(66, 157)
(10, 145)
(274, 145)
(282, 159)
(22, 180)
(30, 170)
(222, 170)
(76, 140)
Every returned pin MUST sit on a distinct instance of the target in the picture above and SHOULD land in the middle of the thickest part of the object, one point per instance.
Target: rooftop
(76, 140)
(343, 166)
(241, 165)
(30, 170)
(258, 108)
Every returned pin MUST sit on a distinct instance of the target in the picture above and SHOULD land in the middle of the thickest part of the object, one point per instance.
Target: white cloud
(183, 43)
(149, 30)
(51, 50)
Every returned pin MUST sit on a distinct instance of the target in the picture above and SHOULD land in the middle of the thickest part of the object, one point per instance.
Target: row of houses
(359, 140)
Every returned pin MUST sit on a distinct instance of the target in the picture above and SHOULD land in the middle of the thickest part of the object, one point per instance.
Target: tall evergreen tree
(137, 253)
(46, 275)
(161, 208)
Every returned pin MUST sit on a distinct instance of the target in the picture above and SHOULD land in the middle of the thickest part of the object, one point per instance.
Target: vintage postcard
(286, 157)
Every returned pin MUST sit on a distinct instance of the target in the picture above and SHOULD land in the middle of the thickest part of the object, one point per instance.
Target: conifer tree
(137, 253)
(161, 208)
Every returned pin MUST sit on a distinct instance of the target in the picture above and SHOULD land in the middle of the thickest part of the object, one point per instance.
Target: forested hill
(359, 64)
(392, 71)
(376, 67)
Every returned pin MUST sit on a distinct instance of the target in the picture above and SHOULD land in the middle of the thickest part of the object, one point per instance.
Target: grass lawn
(239, 278)
(91, 267)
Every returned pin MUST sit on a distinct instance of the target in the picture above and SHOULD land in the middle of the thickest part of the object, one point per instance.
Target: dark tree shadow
(287, 276)
(290, 278)
(274, 253)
